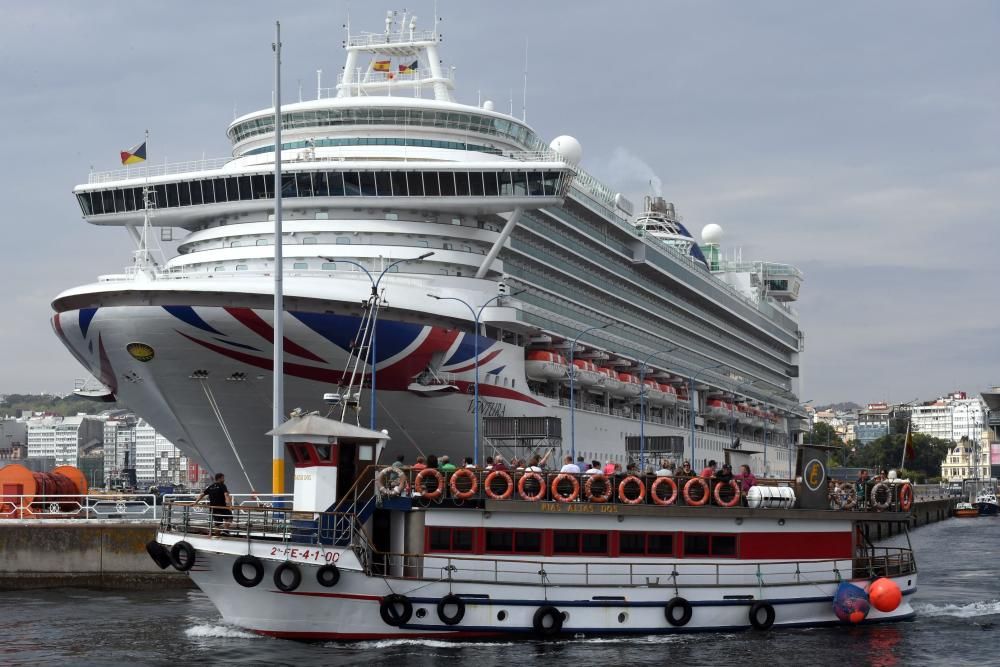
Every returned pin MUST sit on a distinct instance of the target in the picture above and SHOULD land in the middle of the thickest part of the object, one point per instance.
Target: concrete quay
(89, 554)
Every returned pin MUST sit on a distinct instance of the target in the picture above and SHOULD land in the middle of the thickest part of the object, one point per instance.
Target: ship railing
(468, 486)
(112, 506)
(150, 170)
(392, 37)
(619, 572)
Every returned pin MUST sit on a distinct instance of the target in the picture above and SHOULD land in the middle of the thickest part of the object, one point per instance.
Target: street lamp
(642, 404)
(691, 380)
(572, 382)
(372, 359)
(475, 355)
(732, 406)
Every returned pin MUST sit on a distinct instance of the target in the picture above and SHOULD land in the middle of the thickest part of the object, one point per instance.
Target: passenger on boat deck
(569, 466)
(581, 463)
(489, 463)
(609, 467)
(536, 464)
(219, 500)
(861, 487)
(469, 463)
(595, 468)
(420, 464)
(446, 464)
(432, 461)
(746, 478)
(726, 474)
(632, 468)
(516, 463)
(498, 463)
(398, 463)
(685, 470)
(665, 469)
(709, 471)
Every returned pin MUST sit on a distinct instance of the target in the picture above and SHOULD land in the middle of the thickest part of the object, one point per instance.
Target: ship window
(288, 187)
(84, 200)
(300, 266)
(264, 242)
(329, 266)
(490, 187)
(432, 187)
(499, 540)
(343, 240)
(467, 248)
(208, 191)
(335, 179)
(415, 183)
(368, 184)
(352, 184)
(724, 545)
(320, 186)
(304, 181)
(172, 195)
(220, 268)
(462, 184)
(241, 267)
(594, 543)
(184, 190)
(551, 183)
(422, 244)
(565, 543)
(447, 179)
(383, 185)
(476, 184)
(398, 183)
(506, 184)
(528, 541)
(449, 539)
(259, 185)
(232, 189)
(309, 240)
(196, 198)
(446, 246)
(535, 184)
(520, 183)
(456, 221)
(696, 545)
(119, 196)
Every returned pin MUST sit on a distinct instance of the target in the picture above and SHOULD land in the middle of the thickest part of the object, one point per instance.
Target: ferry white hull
(350, 610)
(207, 354)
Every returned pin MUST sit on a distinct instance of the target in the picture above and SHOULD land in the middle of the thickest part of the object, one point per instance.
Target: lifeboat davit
(630, 384)
(545, 365)
(610, 382)
(586, 373)
(654, 395)
(669, 393)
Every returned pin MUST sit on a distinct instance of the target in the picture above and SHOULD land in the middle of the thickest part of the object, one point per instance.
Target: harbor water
(958, 623)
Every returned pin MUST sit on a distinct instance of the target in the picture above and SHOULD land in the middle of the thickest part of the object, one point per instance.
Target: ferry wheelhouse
(369, 552)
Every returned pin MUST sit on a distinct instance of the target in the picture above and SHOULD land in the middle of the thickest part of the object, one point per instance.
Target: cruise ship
(507, 277)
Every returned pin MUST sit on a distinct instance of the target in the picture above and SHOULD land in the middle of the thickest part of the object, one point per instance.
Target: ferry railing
(151, 170)
(468, 485)
(115, 506)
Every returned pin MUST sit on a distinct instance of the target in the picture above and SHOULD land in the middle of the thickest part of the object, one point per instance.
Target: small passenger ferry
(367, 551)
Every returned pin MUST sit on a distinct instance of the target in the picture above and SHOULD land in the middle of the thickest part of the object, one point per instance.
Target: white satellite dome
(568, 147)
(488, 105)
(711, 234)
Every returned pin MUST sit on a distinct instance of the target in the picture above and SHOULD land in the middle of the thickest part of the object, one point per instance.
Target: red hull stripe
(485, 360)
(295, 370)
(255, 323)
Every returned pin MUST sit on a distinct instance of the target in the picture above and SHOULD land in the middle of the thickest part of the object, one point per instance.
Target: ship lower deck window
(573, 542)
(510, 540)
(696, 544)
(328, 266)
(646, 544)
(300, 266)
(450, 539)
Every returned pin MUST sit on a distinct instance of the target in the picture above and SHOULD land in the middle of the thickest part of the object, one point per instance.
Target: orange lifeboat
(630, 384)
(610, 382)
(585, 373)
(654, 395)
(716, 407)
(669, 393)
(545, 365)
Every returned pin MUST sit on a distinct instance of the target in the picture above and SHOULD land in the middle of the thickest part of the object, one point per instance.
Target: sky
(859, 141)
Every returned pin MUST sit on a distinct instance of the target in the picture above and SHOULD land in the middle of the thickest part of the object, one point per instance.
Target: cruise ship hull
(206, 384)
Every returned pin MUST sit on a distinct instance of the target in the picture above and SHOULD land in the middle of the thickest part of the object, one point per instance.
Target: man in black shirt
(219, 500)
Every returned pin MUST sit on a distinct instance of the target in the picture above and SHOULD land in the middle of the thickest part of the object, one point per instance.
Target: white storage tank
(771, 497)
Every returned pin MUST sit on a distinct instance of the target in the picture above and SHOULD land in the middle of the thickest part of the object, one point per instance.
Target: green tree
(823, 434)
(887, 452)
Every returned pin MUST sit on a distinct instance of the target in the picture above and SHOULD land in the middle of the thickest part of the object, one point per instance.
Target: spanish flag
(382, 65)
(134, 154)
(409, 69)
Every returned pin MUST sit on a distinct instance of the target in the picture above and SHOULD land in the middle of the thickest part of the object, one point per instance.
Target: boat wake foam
(971, 610)
(219, 631)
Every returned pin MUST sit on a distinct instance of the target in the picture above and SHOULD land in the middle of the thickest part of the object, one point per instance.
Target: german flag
(382, 66)
(409, 69)
(134, 154)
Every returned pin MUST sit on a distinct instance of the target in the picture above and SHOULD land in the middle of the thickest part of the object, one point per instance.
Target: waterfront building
(873, 422)
(157, 460)
(952, 417)
(13, 438)
(64, 438)
(991, 398)
(967, 460)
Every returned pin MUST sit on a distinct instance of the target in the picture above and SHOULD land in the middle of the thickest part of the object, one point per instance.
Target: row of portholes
(502, 615)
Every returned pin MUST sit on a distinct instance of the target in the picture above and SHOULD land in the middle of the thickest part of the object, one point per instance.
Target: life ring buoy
(588, 488)
(182, 556)
(755, 619)
(328, 575)
(387, 609)
(385, 486)
(881, 489)
(633, 481)
(508, 489)
(843, 496)
(686, 612)
(705, 493)
(451, 600)
(547, 621)
(524, 494)
(419, 484)
(463, 473)
(734, 500)
(905, 497)
(279, 577)
(159, 554)
(655, 487)
(574, 491)
(254, 564)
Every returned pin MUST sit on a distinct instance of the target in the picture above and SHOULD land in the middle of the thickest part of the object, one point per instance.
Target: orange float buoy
(884, 594)
(856, 617)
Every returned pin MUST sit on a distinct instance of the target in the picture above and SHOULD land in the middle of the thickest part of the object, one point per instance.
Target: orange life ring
(642, 490)
(905, 497)
(669, 500)
(541, 486)
(732, 502)
(588, 488)
(508, 489)
(705, 493)
(463, 473)
(574, 494)
(418, 483)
